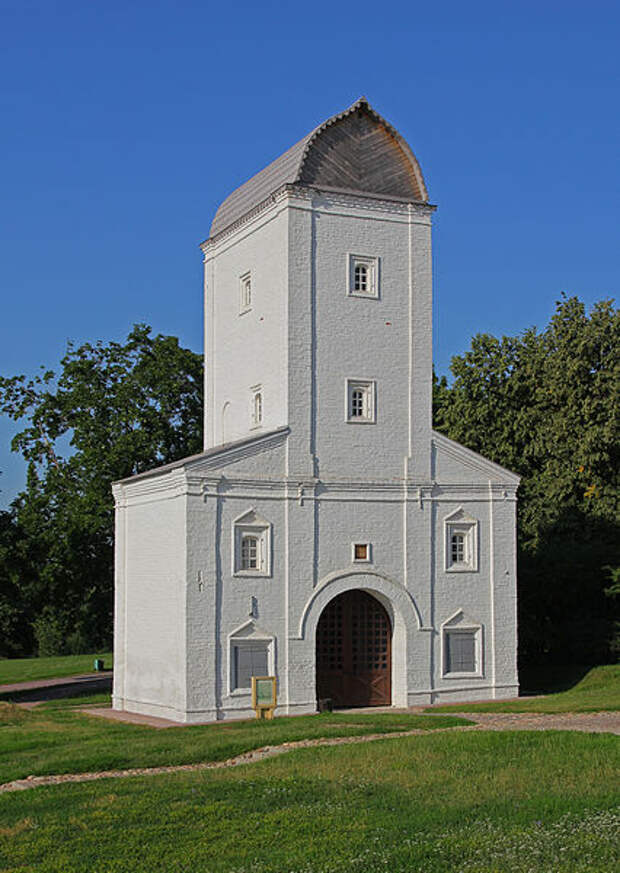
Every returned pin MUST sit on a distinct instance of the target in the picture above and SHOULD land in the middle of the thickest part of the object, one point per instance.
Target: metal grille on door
(353, 649)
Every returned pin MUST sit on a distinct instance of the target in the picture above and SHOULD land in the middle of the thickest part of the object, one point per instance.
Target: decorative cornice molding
(333, 196)
(358, 199)
(273, 199)
(165, 487)
(208, 480)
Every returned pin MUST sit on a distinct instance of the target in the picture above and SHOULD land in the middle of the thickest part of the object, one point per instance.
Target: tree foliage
(546, 406)
(112, 411)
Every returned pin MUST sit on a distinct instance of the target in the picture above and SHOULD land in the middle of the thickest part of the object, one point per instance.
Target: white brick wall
(249, 348)
(323, 484)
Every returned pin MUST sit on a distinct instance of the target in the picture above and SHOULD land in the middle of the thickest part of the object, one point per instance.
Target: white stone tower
(326, 534)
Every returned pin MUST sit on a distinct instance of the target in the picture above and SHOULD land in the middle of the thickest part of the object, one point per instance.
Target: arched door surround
(402, 611)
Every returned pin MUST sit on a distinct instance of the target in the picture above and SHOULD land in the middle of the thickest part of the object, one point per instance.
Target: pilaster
(203, 597)
(302, 388)
(420, 345)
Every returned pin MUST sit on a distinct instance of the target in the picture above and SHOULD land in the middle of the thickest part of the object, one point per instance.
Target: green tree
(114, 410)
(14, 635)
(546, 405)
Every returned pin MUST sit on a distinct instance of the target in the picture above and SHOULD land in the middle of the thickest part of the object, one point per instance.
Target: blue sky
(124, 124)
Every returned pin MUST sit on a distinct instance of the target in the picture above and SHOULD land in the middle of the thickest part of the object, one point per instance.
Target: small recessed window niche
(461, 542)
(360, 400)
(245, 293)
(361, 553)
(461, 643)
(251, 652)
(363, 279)
(256, 406)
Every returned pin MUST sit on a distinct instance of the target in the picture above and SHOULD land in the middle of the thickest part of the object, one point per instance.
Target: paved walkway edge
(36, 684)
(40, 690)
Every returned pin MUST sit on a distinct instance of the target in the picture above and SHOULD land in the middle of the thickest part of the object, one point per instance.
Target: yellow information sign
(264, 695)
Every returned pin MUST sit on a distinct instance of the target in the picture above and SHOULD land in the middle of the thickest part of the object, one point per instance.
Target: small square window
(361, 552)
(363, 276)
(360, 401)
(245, 292)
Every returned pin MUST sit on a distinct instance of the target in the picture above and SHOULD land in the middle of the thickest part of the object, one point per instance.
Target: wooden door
(353, 651)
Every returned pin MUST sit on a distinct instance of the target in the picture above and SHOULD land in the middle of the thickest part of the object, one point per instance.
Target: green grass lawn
(29, 669)
(56, 739)
(473, 802)
(599, 690)
(85, 699)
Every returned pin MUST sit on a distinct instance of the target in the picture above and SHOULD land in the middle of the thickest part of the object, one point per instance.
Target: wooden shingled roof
(356, 151)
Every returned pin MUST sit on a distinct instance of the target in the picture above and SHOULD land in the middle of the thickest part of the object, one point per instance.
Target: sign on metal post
(264, 695)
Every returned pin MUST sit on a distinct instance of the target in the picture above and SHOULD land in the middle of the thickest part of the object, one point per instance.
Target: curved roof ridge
(288, 169)
(358, 104)
(309, 139)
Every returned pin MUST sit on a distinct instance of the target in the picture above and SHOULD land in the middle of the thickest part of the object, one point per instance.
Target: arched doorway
(354, 651)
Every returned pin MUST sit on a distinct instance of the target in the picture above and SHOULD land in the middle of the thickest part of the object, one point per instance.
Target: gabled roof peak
(355, 150)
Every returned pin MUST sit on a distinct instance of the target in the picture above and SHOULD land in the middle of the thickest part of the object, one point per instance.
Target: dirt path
(588, 722)
(591, 722)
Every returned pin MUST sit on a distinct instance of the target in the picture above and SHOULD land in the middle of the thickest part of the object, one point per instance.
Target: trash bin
(326, 704)
(99, 665)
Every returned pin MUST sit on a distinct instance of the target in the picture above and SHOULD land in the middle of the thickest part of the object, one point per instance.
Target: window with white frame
(458, 540)
(461, 640)
(250, 552)
(249, 658)
(245, 293)
(363, 276)
(461, 542)
(361, 552)
(251, 545)
(360, 401)
(251, 652)
(256, 411)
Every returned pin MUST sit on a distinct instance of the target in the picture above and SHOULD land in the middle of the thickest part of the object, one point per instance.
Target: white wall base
(308, 708)
(141, 707)
(470, 695)
(415, 698)
(419, 698)
(506, 692)
(204, 716)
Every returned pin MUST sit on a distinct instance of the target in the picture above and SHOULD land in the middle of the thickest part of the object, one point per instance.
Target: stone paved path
(590, 722)
(35, 684)
(38, 690)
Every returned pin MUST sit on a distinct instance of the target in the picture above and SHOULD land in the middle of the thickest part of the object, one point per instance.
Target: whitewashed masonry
(321, 477)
